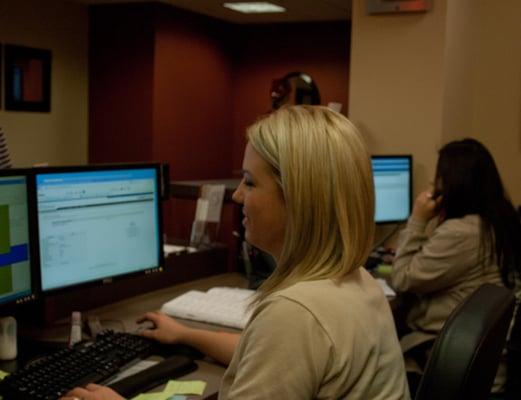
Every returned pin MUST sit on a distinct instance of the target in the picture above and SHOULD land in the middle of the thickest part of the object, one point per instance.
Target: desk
(123, 314)
(208, 371)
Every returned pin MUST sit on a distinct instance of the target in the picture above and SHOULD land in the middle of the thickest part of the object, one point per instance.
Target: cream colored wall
(419, 81)
(483, 87)
(396, 83)
(58, 137)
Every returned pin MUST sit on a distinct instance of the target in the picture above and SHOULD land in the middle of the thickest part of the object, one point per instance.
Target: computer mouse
(142, 326)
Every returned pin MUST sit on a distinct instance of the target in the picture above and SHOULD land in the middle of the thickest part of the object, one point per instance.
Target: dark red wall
(192, 101)
(121, 55)
(173, 86)
(266, 52)
(192, 106)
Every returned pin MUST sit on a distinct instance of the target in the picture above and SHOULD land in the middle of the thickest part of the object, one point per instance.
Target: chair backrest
(513, 384)
(465, 356)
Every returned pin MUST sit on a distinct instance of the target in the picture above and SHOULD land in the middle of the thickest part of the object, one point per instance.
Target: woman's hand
(425, 206)
(92, 392)
(166, 330)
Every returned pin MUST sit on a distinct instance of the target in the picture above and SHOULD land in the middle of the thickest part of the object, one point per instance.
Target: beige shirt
(442, 269)
(319, 340)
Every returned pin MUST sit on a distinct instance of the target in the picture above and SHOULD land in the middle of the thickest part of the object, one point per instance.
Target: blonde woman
(321, 327)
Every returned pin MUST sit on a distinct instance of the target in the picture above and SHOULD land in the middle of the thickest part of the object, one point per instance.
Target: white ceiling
(297, 10)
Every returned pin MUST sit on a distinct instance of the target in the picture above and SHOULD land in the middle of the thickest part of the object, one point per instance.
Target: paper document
(221, 306)
(201, 210)
(215, 195)
(175, 249)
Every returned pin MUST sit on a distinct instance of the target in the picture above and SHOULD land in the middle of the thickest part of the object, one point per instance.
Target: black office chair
(513, 384)
(465, 356)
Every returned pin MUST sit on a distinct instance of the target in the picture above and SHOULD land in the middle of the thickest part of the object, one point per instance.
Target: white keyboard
(221, 306)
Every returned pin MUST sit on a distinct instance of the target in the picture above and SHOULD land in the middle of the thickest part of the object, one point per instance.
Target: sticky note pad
(157, 396)
(152, 396)
(185, 387)
(384, 269)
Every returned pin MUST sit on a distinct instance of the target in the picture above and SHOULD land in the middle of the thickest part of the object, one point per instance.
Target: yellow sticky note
(384, 269)
(152, 396)
(185, 387)
(3, 374)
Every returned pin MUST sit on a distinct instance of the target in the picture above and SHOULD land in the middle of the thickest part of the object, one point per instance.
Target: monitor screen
(97, 223)
(393, 187)
(15, 256)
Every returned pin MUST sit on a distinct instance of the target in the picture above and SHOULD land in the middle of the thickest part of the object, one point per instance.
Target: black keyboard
(50, 377)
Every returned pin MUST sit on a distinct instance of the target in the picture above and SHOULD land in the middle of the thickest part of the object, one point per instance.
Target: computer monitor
(97, 223)
(16, 272)
(393, 188)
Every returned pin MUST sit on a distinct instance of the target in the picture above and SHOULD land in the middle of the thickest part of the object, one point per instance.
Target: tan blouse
(319, 340)
(441, 269)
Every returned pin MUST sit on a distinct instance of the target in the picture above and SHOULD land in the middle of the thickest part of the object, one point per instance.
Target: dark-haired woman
(477, 240)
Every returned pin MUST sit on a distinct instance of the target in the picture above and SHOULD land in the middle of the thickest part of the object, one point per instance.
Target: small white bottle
(8, 345)
(75, 334)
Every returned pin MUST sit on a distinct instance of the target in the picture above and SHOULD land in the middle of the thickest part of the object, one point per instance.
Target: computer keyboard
(220, 305)
(50, 377)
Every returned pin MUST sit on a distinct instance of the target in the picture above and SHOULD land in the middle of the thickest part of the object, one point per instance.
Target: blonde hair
(324, 171)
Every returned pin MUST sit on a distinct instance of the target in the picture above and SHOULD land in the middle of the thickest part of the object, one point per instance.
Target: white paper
(215, 195)
(201, 212)
(172, 249)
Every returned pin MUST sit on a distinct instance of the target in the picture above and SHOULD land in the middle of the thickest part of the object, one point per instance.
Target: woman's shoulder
(302, 291)
(357, 287)
(468, 225)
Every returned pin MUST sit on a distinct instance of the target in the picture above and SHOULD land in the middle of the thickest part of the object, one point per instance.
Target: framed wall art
(27, 78)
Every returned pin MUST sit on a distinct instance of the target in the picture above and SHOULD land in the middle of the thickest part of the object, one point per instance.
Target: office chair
(513, 384)
(465, 355)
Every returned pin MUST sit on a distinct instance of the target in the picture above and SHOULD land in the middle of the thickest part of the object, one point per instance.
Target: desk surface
(208, 371)
(122, 315)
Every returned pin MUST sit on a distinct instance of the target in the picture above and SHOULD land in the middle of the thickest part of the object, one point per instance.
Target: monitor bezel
(409, 157)
(109, 279)
(11, 305)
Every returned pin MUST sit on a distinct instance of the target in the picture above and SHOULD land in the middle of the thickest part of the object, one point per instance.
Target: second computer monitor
(393, 188)
(16, 283)
(97, 223)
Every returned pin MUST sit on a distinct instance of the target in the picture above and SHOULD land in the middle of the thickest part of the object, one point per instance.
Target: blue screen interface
(392, 182)
(97, 224)
(15, 263)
